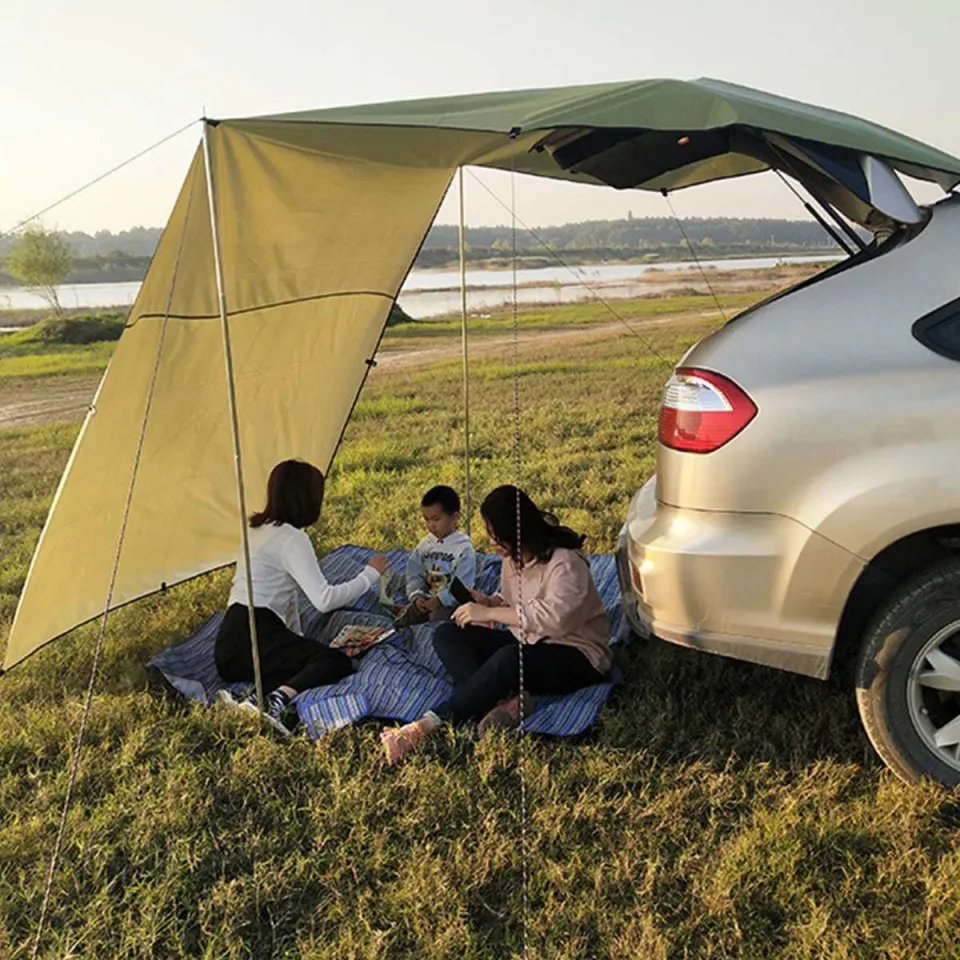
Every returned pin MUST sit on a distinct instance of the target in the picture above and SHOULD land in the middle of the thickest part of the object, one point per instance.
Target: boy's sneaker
(276, 706)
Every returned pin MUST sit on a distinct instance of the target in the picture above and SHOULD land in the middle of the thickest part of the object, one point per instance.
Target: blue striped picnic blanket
(400, 678)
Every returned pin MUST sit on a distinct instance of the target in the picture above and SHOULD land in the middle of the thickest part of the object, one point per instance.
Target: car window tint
(940, 330)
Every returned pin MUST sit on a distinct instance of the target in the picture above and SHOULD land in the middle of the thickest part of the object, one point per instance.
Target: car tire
(900, 713)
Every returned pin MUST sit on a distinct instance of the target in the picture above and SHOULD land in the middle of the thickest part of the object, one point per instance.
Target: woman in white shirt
(281, 560)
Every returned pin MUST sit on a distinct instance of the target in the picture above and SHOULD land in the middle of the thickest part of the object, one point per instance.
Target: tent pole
(234, 423)
(466, 373)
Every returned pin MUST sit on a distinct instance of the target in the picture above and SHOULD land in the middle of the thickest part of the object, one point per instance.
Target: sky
(88, 85)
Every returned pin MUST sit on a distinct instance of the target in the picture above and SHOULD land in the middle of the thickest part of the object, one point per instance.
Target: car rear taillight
(702, 410)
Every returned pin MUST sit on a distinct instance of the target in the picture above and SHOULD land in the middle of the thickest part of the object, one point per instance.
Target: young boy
(444, 553)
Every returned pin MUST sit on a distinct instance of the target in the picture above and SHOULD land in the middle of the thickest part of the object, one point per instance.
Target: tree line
(641, 233)
(115, 257)
(635, 233)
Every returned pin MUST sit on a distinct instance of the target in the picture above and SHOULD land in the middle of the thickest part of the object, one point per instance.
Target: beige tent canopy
(319, 218)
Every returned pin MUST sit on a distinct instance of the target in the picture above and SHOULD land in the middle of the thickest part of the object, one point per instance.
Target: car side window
(940, 330)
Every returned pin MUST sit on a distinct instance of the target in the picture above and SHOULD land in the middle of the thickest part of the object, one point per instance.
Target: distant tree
(40, 259)
(398, 315)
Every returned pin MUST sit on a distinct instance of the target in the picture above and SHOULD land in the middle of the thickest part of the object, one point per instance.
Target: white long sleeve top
(281, 559)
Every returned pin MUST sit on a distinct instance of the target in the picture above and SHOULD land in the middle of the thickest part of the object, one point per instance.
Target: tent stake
(466, 373)
(232, 399)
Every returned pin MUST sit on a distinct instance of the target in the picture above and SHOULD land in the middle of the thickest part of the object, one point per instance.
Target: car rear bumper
(757, 587)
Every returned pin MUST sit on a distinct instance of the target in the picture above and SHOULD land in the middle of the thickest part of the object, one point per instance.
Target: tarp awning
(321, 215)
(684, 107)
(315, 250)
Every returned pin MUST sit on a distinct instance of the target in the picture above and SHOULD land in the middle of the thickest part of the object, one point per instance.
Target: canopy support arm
(837, 239)
(812, 210)
(839, 221)
(234, 423)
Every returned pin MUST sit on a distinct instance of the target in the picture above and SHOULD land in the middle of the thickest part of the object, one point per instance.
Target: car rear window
(940, 330)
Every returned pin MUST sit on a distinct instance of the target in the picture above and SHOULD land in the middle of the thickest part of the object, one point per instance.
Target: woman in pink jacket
(556, 619)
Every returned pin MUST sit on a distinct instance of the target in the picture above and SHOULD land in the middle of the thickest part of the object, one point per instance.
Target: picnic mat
(400, 678)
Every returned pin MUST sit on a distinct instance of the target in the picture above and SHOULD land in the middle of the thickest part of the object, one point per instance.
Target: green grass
(577, 314)
(89, 358)
(25, 354)
(715, 810)
(41, 350)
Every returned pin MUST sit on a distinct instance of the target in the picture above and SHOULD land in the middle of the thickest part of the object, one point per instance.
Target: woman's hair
(540, 532)
(294, 495)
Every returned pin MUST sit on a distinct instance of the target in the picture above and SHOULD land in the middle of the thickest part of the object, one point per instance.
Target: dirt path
(403, 355)
(28, 402)
(400, 355)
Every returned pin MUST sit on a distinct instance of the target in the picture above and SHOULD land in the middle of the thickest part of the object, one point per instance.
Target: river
(434, 293)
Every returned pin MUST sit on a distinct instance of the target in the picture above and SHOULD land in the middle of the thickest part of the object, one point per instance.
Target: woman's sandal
(399, 741)
(506, 715)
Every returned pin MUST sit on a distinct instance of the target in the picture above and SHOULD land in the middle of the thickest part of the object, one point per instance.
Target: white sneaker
(277, 724)
(271, 714)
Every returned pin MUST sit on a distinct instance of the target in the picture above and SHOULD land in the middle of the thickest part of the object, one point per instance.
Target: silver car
(806, 506)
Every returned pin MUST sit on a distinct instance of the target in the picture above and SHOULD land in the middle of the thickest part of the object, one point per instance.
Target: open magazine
(355, 639)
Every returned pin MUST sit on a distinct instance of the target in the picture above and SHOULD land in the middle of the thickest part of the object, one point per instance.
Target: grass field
(27, 353)
(716, 809)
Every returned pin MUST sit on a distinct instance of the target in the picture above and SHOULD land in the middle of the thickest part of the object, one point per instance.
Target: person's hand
(379, 562)
(421, 604)
(471, 613)
(485, 600)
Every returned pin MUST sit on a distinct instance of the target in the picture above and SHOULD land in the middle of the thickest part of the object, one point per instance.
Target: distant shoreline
(653, 280)
(525, 260)
(528, 261)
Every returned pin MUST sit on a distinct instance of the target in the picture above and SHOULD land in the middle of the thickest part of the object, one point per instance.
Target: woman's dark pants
(485, 667)
(286, 659)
